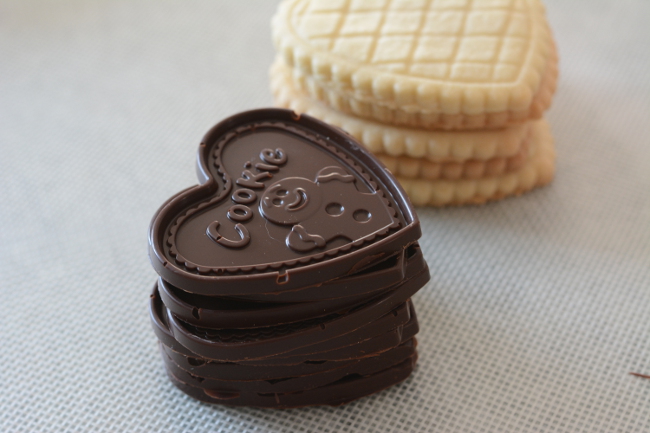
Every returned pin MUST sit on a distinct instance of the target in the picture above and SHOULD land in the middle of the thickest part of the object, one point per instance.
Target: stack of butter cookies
(449, 94)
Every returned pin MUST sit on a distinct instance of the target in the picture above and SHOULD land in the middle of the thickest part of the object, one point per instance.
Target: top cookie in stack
(396, 73)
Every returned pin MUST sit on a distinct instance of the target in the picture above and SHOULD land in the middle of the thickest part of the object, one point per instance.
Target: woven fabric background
(538, 308)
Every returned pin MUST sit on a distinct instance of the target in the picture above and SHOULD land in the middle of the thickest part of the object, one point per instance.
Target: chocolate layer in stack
(286, 276)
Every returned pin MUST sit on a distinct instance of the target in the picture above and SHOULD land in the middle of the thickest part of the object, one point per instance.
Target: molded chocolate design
(285, 202)
(323, 210)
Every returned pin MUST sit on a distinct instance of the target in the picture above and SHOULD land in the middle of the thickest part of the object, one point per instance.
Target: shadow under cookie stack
(449, 94)
(285, 277)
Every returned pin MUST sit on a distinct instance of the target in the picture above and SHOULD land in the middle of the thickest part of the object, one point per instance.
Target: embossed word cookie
(288, 271)
(452, 64)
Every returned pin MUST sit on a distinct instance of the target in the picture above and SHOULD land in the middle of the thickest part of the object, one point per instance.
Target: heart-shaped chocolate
(285, 202)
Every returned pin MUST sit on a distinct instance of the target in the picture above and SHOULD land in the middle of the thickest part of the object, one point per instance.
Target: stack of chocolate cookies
(286, 275)
(449, 94)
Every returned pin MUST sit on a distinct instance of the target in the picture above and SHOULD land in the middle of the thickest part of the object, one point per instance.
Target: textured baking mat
(538, 306)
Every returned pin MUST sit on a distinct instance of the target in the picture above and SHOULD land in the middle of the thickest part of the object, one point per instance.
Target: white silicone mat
(538, 308)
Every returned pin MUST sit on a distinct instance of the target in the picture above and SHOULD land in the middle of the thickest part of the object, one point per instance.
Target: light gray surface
(538, 306)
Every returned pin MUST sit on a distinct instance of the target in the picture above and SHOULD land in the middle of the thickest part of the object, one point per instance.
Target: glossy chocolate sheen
(350, 388)
(285, 202)
(401, 316)
(376, 278)
(293, 367)
(292, 383)
(381, 334)
(222, 313)
(366, 341)
(234, 371)
(237, 345)
(228, 314)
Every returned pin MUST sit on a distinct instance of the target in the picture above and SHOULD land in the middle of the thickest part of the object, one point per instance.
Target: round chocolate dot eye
(277, 202)
(282, 192)
(334, 209)
(361, 215)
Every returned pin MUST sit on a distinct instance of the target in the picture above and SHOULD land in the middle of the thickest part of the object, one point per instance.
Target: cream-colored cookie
(433, 64)
(436, 146)
(538, 170)
(404, 116)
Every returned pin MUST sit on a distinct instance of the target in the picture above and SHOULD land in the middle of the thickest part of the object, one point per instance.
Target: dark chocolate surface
(218, 313)
(286, 202)
(347, 389)
(236, 345)
(225, 314)
(381, 334)
(286, 275)
(241, 371)
(375, 337)
(293, 382)
(382, 274)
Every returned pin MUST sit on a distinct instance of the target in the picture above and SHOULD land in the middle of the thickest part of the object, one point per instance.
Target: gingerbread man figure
(322, 210)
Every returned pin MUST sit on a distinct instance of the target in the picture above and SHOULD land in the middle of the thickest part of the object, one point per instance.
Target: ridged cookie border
(414, 168)
(437, 146)
(539, 171)
(399, 116)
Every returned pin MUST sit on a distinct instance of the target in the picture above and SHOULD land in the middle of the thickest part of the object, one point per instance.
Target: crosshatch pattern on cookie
(441, 39)
(419, 53)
